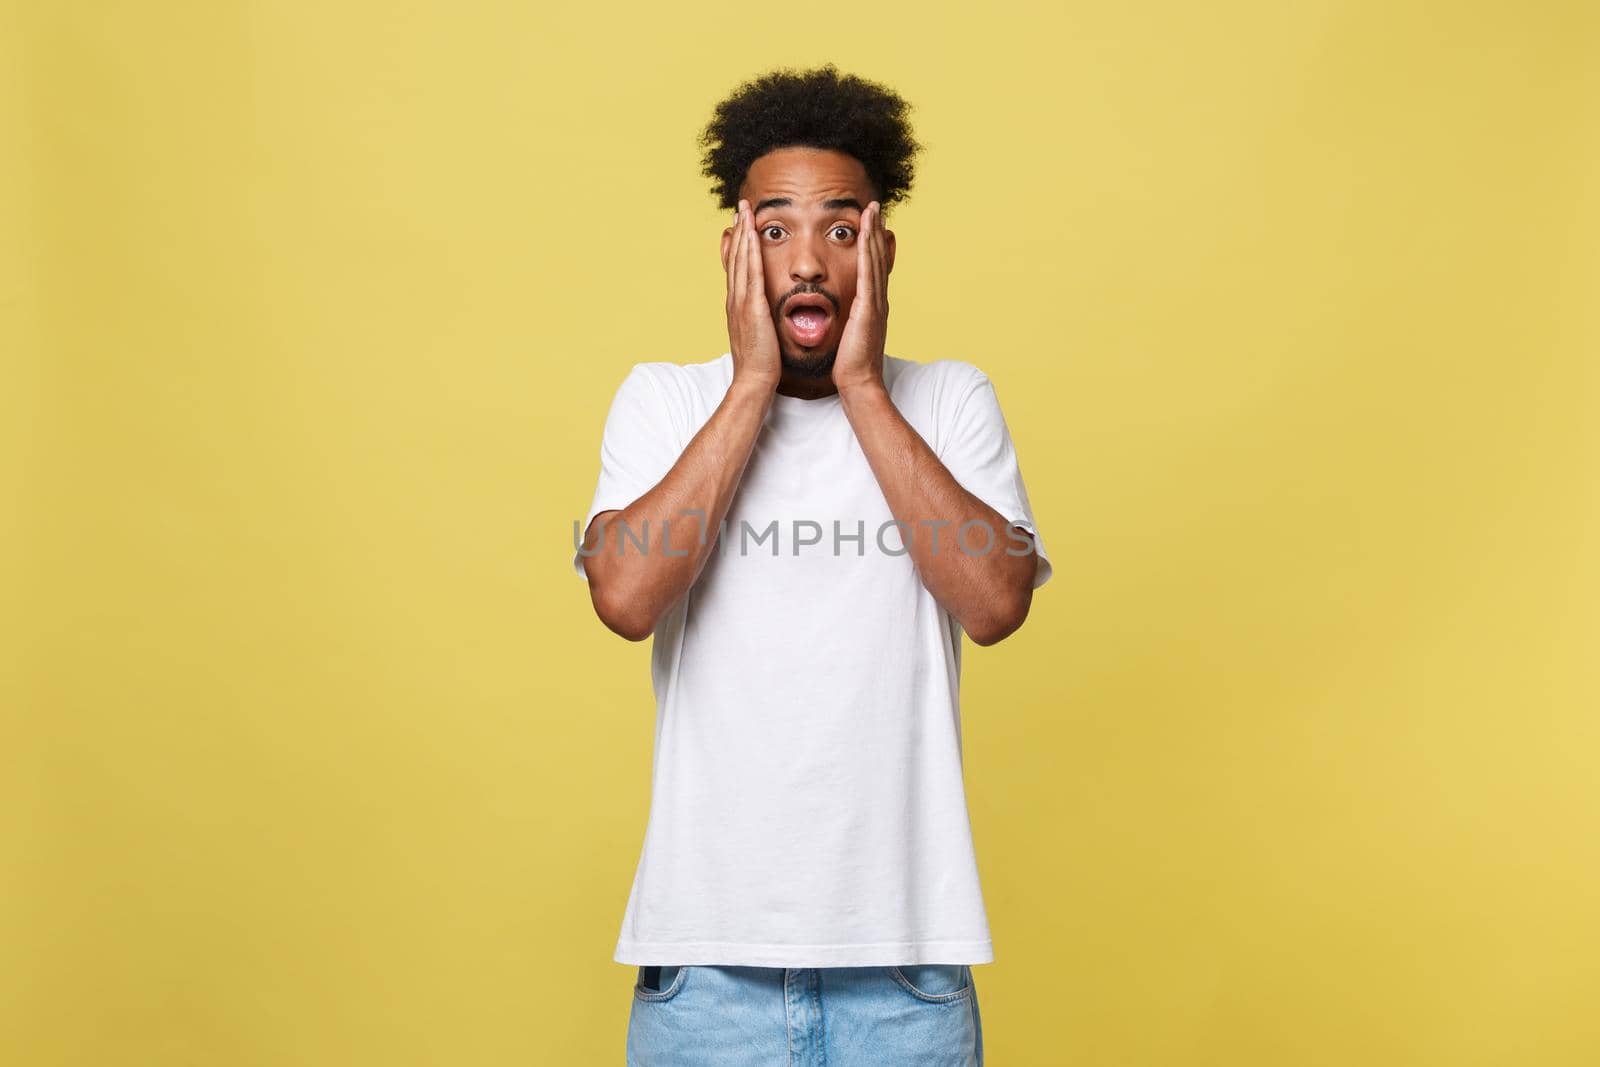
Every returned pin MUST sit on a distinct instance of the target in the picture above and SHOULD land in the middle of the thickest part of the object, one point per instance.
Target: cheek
(775, 275)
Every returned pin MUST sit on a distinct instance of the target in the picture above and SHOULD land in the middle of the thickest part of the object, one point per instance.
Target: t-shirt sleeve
(638, 447)
(978, 452)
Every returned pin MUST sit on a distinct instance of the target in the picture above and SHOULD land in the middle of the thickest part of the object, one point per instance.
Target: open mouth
(809, 325)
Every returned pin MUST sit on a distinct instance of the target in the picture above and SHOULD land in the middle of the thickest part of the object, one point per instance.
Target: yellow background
(315, 754)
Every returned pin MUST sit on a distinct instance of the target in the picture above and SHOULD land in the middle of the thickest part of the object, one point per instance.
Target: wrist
(755, 390)
(861, 386)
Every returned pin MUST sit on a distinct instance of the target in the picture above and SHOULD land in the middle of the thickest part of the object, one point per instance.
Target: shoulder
(708, 379)
(963, 377)
(678, 397)
(945, 383)
(933, 372)
(653, 375)
(678, 383)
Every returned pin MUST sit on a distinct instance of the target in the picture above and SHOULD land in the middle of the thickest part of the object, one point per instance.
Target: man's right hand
(752, 336)
(633, 590)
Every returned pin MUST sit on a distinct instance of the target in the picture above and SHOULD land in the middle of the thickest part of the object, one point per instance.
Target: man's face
(807, 205)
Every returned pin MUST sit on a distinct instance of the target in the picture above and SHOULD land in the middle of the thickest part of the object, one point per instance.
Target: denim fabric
(922, 1015)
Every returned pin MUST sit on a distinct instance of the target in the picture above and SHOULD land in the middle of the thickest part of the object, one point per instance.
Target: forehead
(806, 175)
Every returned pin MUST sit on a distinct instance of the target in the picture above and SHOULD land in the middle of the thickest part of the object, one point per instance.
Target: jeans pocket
(934, 982)
(658, 983)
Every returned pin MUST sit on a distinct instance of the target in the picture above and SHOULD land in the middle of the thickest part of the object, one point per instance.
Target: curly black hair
(819, 109)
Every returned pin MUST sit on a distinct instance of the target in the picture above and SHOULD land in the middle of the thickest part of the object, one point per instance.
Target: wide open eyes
(848, 230)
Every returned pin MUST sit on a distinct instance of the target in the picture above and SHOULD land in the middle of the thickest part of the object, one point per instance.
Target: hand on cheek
(860, 358)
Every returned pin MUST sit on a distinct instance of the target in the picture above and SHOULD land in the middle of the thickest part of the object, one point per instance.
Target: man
(806, 525)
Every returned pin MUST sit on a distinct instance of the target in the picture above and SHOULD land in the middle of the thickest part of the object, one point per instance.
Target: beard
(815, 364)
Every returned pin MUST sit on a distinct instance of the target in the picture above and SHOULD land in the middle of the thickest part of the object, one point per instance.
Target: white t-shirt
(807, 805)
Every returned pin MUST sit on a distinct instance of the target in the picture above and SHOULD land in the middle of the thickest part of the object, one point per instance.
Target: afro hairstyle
(818, 109)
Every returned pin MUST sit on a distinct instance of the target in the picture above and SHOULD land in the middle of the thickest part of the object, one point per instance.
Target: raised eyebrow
(827, 205)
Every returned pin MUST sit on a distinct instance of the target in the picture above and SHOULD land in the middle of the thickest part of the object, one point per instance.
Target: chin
(813, 366)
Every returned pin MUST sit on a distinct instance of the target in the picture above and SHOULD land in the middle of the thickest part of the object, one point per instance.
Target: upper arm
(638, 446)
(978, 451)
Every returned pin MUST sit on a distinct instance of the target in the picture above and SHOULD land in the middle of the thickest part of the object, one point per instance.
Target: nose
(806, 262)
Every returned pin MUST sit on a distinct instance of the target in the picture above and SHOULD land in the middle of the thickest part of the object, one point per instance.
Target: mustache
(805, 291)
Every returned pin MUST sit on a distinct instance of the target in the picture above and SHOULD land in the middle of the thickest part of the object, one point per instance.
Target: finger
(879, 251)
(875, 252)
(864, 279)
(877, 248)
(757, 273)
(872, 248)
(736, 261)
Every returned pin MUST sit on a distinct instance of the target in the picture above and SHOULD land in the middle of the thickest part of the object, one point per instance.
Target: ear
(727, 247)
(888, 259)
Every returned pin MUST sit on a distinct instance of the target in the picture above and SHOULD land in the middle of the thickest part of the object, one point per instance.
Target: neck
(806, 388)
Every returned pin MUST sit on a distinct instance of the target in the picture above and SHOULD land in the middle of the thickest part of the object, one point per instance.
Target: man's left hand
(860, 358)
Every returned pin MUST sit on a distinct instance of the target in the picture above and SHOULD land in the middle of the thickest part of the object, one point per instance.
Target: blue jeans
(922, 1015)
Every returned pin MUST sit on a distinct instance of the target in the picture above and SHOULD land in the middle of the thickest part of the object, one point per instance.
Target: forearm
(972, 575)
(648, 554)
